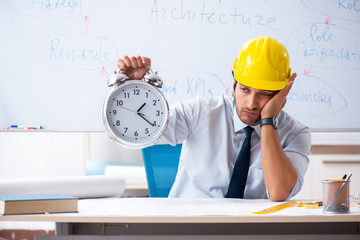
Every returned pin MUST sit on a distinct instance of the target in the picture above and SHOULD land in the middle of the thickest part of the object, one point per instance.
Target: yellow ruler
(310, 205)
(277, 207)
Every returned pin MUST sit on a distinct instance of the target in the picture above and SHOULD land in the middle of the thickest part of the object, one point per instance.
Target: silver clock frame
(105, 121)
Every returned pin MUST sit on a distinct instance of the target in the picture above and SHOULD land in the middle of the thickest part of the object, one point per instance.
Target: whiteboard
(56, 56)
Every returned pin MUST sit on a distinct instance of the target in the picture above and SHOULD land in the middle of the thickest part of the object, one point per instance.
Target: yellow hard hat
(263, 63)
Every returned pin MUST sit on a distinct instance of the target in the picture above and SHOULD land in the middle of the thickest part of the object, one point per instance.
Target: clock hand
(142, 116)
(128, 109)
(141, 107)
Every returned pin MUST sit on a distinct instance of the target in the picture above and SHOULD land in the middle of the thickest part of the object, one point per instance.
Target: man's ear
(235, 82)
(234, 85)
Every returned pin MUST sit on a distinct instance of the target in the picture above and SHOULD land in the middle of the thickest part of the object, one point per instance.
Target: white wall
(329, 166)
(102, 148)
(49, 154)
(336, 138)
(41, 154)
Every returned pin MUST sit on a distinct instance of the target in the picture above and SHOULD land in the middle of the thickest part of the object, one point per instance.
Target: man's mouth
(250, 113)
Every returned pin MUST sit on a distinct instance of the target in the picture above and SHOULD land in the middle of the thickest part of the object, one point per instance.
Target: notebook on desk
(37, 203)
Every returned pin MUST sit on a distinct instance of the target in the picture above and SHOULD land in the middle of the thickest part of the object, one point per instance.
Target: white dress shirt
(212, 136)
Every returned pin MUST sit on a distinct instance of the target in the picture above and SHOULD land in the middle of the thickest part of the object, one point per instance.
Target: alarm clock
(135, 112)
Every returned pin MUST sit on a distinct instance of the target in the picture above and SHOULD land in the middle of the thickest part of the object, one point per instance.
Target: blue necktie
(241, 168)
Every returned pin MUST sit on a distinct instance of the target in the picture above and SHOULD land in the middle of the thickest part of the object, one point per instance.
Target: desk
(194, 217)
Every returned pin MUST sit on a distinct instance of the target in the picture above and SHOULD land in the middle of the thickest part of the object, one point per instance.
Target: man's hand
(275, 104)
(134, 66)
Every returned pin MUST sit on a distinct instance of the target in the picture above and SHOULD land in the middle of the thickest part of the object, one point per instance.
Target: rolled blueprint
(134, 174)
(79, 186)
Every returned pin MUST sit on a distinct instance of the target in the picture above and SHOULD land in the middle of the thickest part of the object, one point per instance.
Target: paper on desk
(135, 174)
(187, 207)
(79, 186)
(183, 207)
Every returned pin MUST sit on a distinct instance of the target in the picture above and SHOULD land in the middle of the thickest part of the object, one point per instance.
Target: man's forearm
(280, 175)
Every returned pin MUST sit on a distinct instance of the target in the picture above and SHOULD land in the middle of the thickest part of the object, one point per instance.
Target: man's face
(249, 102)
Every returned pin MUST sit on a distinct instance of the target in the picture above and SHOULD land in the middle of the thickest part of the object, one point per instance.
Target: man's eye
(244, 89)
(265, 94)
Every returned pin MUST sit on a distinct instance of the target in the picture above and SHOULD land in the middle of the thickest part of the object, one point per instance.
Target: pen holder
(336, 196)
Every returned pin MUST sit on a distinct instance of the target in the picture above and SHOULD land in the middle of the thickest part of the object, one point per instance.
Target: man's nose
(253, 102)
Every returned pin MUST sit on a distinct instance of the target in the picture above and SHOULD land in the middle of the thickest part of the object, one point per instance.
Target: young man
(214, 129)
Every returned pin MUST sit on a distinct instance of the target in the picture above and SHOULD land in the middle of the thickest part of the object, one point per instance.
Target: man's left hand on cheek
(277, 103)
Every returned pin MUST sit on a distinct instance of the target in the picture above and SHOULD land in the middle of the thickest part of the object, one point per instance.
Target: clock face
(135, 114)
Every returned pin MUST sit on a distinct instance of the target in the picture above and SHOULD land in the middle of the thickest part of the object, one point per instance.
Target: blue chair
(161, 164)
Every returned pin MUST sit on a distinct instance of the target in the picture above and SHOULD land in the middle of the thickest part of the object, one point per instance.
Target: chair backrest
(161, 164)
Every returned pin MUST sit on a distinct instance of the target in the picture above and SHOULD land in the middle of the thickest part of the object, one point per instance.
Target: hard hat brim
(262, 84)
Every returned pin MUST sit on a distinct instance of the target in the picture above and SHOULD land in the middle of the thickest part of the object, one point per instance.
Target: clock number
(136, 92)
(119, 102)
(146, 131)
(147, 95)
(114, 112)
(154, 102)
(136, 134)
(154, 124)
(126, 95)
(126, 129)
(117, 123)
(157, 113)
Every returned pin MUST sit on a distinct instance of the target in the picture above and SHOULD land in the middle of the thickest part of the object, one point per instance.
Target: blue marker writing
(26, 127)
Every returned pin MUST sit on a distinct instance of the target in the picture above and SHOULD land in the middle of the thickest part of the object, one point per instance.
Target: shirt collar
(239, 125)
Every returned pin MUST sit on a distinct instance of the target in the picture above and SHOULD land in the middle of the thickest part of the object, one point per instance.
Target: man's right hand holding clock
(134, 66)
